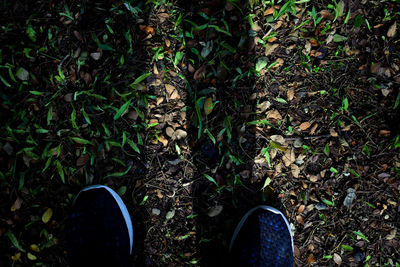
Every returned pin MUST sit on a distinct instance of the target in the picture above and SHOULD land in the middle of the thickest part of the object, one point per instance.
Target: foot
(262, 238)
(99, 231)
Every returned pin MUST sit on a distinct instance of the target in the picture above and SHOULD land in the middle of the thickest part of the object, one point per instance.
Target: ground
(195, 112)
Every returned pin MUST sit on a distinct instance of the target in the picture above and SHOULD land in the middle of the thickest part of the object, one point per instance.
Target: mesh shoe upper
(98, 232)
(263, 238)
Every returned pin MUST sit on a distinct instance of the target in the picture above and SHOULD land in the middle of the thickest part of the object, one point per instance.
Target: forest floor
(194, 112)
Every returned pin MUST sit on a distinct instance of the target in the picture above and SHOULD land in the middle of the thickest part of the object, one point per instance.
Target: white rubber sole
(244, 218)
(121, 206)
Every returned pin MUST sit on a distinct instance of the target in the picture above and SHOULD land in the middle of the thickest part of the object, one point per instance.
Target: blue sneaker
(263, 238)
(99, 231)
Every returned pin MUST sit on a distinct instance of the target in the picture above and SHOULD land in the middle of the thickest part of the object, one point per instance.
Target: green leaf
(210, 136)
(347, 248)
(36, 93)
(358, 21)
(133, 145)
(4, 81)
(60, 171)
(14, 241)
(49, 115)
(122, 190)
(82, 141)
(261, 63)
(119, 174)
(105, 47)
(347, 17)
(326, 150)
(140, 78)
(329, 203)
(47, 215)
(122, 109)
(337, 38)
(266, 183)
(265, 153)
(178, 57)
(210, 179)
(73, 119)
(361, 235)
(333, 170)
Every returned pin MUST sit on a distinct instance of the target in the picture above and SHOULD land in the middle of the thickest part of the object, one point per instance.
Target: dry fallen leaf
(163, 17)
(270, 48)
(337, 259)
(82, 160)
(274, 114)
(301, 209)
(384, 133)
(162, 139)
(326, 14)
(305, 125)
(146, 29)
(200, 73)
(269, 11)
(299, 219)
(375, 68)
(310, 259)
(289, 157)
(17, 204)
(295, 170)
(169, 131)
(392, 30)
(290, 94)
(179, 134)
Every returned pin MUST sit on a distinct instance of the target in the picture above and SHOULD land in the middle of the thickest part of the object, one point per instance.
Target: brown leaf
(82, 160)
(310, 259)
(295, 170)
(289, 157)
(270, 48)
(163, 140)
(170, 89)
(305, 125)
(200, 73)
(384, 133)
(301, 209)
(17, 204)
(299, 219)
(290, 94)
(146, 29)
(375, 68)
(392, 30)
(78, 35)
(313, 42)
(274, 114)
(269, 11)
(333, 133)
(169, 131)
(163, 17)
(297, 252)
(179, 134)
(87, 78)
(337, 259)
(326, 14)
(271, 40)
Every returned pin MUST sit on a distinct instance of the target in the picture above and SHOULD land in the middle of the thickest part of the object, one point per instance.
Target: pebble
(155, 211)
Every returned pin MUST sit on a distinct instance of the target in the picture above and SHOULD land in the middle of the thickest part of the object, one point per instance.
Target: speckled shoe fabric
(262, 238)
(99, 231)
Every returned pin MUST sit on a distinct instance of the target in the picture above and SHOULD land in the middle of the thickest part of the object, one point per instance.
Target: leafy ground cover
(196, 111)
